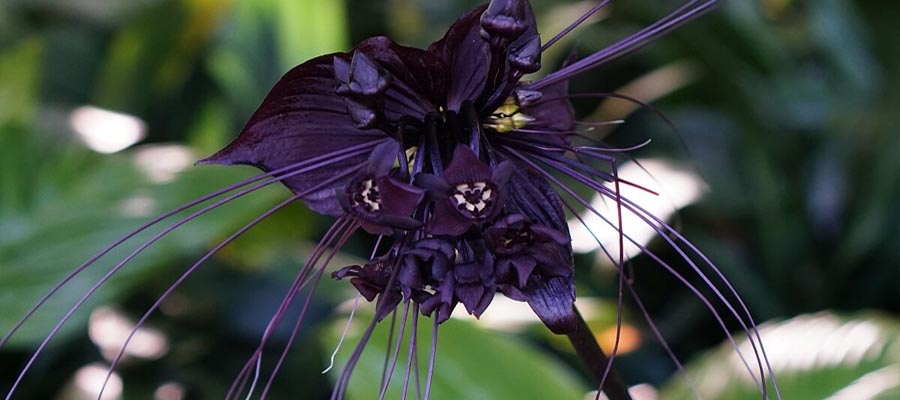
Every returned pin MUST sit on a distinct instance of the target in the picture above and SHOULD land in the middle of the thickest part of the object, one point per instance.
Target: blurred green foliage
(789, 113)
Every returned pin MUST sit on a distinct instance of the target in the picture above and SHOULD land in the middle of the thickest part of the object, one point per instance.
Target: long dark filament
(338, 230)
(583, 340)
(629, 44)
(655, 329)
(203, 259)
(344, 379)
(411, 357)
(590, 352)
(341, 385)
(301, 280)
(431, 358)
(182, 278)
(574, 25)
(140, 249)
(396, 353)
(341, 154)
(275, 175)
(633, 208)
(352, 310)
(318, 276)
(387, 355)
(609, 372)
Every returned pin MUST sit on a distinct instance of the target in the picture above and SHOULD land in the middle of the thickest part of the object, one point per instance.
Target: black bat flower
(452, 158)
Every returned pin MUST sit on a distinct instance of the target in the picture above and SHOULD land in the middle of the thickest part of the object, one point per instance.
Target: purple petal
(363, 77)
(436, 186)
(387, 303)
(399, 198)
(486, 300)
(468, 57)
(419, 77)
(532, 196)
(468, 272)
(506, 18)
(410, 278)
(553, 301)
(366, 289)
(524, 266)
(382, 159)
(552, 112)
(448, 221)
(353, 270)
(466, 167)
(470, 296)
(301, 118)
(513, 293)
(526, 56)
(552, 234)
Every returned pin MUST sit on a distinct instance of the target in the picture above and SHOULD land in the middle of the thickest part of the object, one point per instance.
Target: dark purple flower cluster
(445, 126)
(454, 161)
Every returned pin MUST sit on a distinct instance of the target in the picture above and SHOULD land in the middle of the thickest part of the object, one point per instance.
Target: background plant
(786, 108)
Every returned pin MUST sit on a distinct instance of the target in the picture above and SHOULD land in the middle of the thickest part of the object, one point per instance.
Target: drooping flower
(451, 158)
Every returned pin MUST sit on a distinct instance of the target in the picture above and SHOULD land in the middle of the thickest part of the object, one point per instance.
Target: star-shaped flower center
(367, 195)
(473, 197)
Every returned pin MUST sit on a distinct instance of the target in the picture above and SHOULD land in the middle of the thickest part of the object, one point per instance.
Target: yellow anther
(507, 117)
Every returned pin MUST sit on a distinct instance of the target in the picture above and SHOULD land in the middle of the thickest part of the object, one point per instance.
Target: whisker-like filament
(338, 233)
(343, 334)
(411, 358)
(196, 265)
(629, 44)
(660, 339)
(431, 357)
(271, 176)
(600, 123)
(634, 296)
(755, 339)
(315, 283)
(341, 386)
(290, 170)
(467, 173)
(574, 25)
(392, 330)
(620, 262)
(396, 353)
(161, 298)
(352, 311)
(237, 386)
(631, 208)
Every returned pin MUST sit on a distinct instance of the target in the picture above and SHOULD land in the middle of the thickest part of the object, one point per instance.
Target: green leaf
(67, 220)
(324, 33)
(814, 356)
(471, 363)
(20, 71)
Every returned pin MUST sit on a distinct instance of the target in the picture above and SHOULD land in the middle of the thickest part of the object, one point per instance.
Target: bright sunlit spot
(641, 391)
(162, 162)
(629, 339)
(106, 131)
(870, 385)
(818, 341)
(676, 188)
(109, 329)
(138, 206)
(88, 381)
(169, 391)
(506, 314)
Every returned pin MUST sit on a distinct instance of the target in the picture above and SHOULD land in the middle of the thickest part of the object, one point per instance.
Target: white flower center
(369, 196)
(473, 197)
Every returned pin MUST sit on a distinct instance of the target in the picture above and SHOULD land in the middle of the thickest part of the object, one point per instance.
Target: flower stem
(587, 348)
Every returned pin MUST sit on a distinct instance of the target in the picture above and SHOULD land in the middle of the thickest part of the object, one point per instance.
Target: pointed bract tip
(505, 18)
